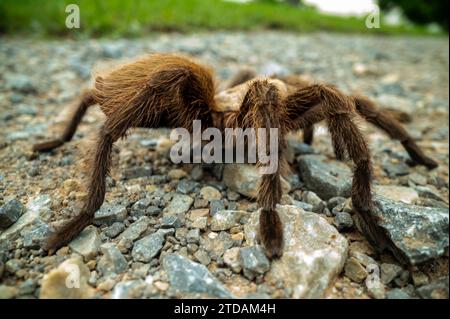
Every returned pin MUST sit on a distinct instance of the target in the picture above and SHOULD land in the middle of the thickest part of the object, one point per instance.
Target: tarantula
(167, 90)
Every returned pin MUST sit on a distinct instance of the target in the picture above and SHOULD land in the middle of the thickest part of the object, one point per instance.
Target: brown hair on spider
(168, 90)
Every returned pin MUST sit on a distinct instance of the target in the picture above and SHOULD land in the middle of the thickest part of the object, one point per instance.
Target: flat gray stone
(180, 204)
(186, 276)
(435, 290)
(109, 214)
(225, 219)
(327, 178)
(245, 178)
(254, 261)
(145, 249)
(418, 233)
(314, 252)
(136, 229)
(10, 213)
(112, 261)
(87, 243)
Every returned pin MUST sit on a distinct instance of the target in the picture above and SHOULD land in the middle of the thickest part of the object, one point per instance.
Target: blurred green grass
(120, 18)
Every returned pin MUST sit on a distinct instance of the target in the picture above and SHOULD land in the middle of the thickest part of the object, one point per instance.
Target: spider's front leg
(261, 108)
(314, 103)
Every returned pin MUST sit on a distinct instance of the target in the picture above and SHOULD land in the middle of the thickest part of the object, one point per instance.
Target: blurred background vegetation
(120, 18)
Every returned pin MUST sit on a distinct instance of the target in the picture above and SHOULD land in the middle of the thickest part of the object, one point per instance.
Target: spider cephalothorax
(164, 90)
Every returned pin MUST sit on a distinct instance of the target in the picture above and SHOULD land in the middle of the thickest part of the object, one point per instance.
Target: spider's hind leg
(100, 164)
(315, 103)
(75, 119)
(394, 129)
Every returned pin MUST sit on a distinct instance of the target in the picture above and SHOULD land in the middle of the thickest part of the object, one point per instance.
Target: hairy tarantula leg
(315, 103)
(99, 169)
(260, 109)
(86, 101)
(308, 134)
(394, 129)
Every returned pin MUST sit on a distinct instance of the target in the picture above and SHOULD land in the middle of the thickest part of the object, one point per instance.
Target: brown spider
(165, 90)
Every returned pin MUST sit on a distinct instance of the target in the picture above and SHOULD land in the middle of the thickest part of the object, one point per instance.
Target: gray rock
(87, 243)
(186, 186)
(186, 276)
(305, 206)
(10, 213)
(8, 292)
(389, 272)
(152, 211)
(35, 235)
(216, 205)
(395, 169)
(13, 265)
(429, 202)
(417, 179)
(202, 257)
(225, 219)
(137, 172)
(139, 208)
(145, 249)
(113, 50)
(27, 287)
(354, 270)
(136, 229)
(397, 193)
(314, 252)
(180, 204)
(327, 178)
(109, 214)
(403, 279)
(335, 201)
(210, 193)
(196, 173)
(193, 236)
(171, 221)
(363, 259)
(112, 261)
(216, 246)
(114, 230)
(254, 261)
(20, 83)
(311, 198)
(427, 192)
(397, 293)
(150, 143)
(300, 148)
(419, 278)
(435, 290)
(244, 179)
(130, 289)
(418, 233)
(232, 259)
(343, 221)
(376, 289)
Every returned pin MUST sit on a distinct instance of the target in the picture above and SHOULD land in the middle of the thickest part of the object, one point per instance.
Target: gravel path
(177, 231)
